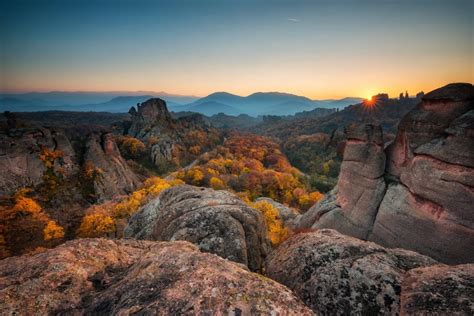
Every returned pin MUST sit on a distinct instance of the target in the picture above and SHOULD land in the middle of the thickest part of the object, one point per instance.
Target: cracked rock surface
(336, 274)
(216, 221)
(110, 277)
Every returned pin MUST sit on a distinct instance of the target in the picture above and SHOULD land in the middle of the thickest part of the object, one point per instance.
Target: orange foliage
(253, 164)
(53, 231)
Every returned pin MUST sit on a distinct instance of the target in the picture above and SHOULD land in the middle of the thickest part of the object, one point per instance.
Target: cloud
(294, 20)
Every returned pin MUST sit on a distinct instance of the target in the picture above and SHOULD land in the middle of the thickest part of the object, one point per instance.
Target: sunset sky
(320, 49)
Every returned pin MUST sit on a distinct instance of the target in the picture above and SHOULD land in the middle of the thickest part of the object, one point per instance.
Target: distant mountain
(117, 105)
(266, 103)
(84, 101)
(210, 108)
(256, 104)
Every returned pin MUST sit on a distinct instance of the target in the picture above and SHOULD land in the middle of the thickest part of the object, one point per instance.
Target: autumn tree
(276, 230)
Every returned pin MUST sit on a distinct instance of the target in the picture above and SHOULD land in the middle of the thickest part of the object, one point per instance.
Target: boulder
(439, 290)
(217, 221)
(105, 277)
(336, 274)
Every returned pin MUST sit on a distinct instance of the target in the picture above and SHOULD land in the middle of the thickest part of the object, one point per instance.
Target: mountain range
(259, 103)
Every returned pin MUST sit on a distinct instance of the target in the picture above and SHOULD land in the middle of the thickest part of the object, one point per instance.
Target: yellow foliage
(277, 232)
(131, 146)
(216, 183)
(53, 231)
(196, 176)
(96, 225)
(151, 188)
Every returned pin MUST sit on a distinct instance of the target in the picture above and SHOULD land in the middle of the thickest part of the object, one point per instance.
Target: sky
(319, 49)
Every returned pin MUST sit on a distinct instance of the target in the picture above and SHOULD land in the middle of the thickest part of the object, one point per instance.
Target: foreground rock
(98, 276)
(337, 274)
(421, 198)
(439, 290)
(216, 221)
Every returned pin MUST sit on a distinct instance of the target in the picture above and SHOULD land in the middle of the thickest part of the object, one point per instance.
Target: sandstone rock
(360, 187)
(115, 176)
(339, 275)
(408, 221)
(57, 281)
(98, 276)
(439, 290)
(216, 221)
(430, 168)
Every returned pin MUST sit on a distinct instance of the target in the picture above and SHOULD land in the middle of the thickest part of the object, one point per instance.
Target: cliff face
(418, 192)
(20, 151)
(28, 154)
(114, 177)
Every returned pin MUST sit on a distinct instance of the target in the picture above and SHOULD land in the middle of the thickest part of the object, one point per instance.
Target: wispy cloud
(294, 20)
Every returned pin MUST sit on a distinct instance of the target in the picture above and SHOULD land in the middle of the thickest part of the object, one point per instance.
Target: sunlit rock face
(418, 193)
(335, 274)
(216, 221)
(123, 277)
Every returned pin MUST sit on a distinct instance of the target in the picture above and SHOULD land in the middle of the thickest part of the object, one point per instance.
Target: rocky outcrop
(354, 203)
(170, 138)
(421, 198)
(105, 277)
(20, 150)
(216, 221)
(114, 177)
(439, 290)
(336, 274)
(149, 118)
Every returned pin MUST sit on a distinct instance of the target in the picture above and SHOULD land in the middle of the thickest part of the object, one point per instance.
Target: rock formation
(216, 221)
(439, 290)
(23, 163)
(20, 163)
(421, 198)
(99, 276)
(151, 120)
(114, 177)
(336, 274)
